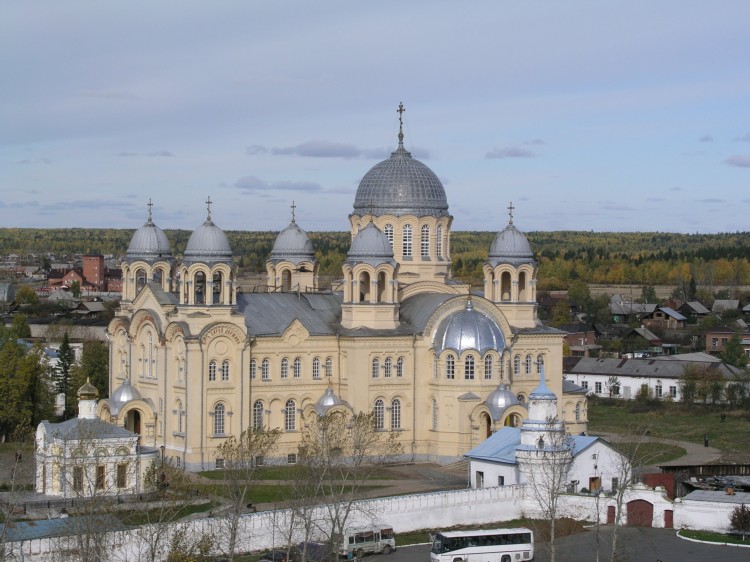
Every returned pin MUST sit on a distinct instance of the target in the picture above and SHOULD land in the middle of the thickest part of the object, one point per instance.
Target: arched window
(150, 355)
(517, 365)
(450, 367)
(388, 231)
(375, 368)
(316, 368)
(225, 370)
(388, 368)
(258, 415)
(219, 412)
(143, 361)
(539, 363)
(578, 412)
(264, 369)
(290, 416)
(469, 367)
(297, 368)
(253, 368)
(180, 415)
(329, 366)
(379, 412)
(527, 366)
(439, 243)
(212, 370)
(425, 241)
(487, 367)
(284, 368)
(406, 241)
(395, 414)
(400, 367)
(434, 415)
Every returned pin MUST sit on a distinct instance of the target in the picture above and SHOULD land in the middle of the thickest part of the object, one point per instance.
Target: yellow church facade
(193, 361)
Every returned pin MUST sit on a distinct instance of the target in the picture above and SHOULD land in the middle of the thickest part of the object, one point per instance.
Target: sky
(586, 115)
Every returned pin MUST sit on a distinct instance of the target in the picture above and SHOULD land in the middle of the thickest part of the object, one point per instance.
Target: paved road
(640, 544)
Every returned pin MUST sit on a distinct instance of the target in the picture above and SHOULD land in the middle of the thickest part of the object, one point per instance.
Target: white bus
(493, 545)
(367, 540)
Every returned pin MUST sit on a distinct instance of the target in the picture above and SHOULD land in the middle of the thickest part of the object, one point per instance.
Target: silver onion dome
(149, 243)
(328, 401)
(468, 329)
(510, 246)
(292, 244)
(125, 393)
(371, 246)
(400, 185)
(208, 244)
(500, 400)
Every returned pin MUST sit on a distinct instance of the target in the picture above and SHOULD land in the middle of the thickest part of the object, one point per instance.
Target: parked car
(274, 556)
(315, 552)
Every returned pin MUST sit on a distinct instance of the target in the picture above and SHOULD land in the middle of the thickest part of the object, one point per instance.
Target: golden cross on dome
(208, 206)
(293, 208)
(150, 205)
(510, 212)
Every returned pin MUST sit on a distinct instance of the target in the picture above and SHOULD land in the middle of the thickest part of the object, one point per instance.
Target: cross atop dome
(400, 112)
(208, 207)
(150, 205)
(293, 208)
(510, 212)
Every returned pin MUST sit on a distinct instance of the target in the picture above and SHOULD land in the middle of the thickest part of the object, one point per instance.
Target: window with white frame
(469, 367)
(258, 414)
(450, 367)
(297, 368)
(379, 412)
(395, 414)
(265, 369)
(578, 411)
(658, 390)
(290, 416)
(225, 370)
(598, 387)
(673, 391)
(425, 245)
(212, 370)
(388, 231)
(517, 365)
(488, 367)
(316, 368)
(180, 415)
(375, 368)
(291, 458)
(219, 412)
(400, 367)
(585, 384)
(439, 242)
(329, 366)
(387, 367)
(284, 368)
(253, 368)
(527, 365)
(539, 364)
(406, 241)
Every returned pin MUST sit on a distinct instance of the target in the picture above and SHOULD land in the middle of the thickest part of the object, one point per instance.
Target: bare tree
(18, 470)
(546, 466)
(338, 455)
(242, 457)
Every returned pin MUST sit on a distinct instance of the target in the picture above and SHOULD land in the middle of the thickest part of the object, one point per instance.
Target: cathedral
(193, 360)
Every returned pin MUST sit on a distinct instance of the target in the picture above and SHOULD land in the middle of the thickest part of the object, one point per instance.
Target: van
(357, 542)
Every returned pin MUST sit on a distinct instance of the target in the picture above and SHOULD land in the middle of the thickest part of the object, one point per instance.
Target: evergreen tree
(20, 326)
(733, 352)
(94, 367)
(63, 375)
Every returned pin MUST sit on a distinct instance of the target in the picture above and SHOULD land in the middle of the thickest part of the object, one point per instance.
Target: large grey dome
(510, 246)
(149, 243)
(468, 329)
(500, 400)
(400, 186)
(371, 246)
(208, 243)
(292, 244)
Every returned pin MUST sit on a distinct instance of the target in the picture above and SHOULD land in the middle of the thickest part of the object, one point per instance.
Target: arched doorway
(485, 424)
(512, 420)
(640, 513)
(286, 281)
(133, 421)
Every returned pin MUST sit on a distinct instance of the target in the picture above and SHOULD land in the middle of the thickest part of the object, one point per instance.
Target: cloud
(35, 161)
(327, 149)
(255, 149)
(739, 161)
(655, 199)
(536, 142)
(711, 200)
(108, 94)
(676, 189)
(614, 206)
(18, 204)
(155, 154)
(706, 138)
(253, 184)
(742, 138)
(510, 152)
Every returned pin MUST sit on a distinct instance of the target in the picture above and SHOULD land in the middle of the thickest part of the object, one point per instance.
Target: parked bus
(368, 540)
(494, 545)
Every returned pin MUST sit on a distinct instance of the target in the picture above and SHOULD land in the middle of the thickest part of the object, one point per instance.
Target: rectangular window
(425, 241)
(78, 478)
(714, 343)
(219, 465)
(253, 368)
(501, 480)
(673, 391)
(406, 241)
(469, 368)
(480, 479)
(615, 484)
(658, 391)
(598, 387)
(100, 477)
(291, 458)
(122, 474)
(585, 384)
(264, 374)
(450, 367)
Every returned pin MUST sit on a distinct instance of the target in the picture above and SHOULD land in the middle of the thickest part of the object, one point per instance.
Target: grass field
(727, 430)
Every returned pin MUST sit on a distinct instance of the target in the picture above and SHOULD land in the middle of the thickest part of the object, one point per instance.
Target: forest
(642, 258)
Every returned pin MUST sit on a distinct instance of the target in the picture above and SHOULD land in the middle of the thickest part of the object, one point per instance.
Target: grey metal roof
(79, 428)
(697, 307)
(500, 400)
(718, 496)
(208, 244)
(272, 313)
(123, 394)
(627, 308)
(292, 244)
(328, 401)
(720, 305)
(370, 245)
(400, 185)
(149, 243)
(569, 387)
(510, 246)
(418, 309)
(653, 368)
(468, 329)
